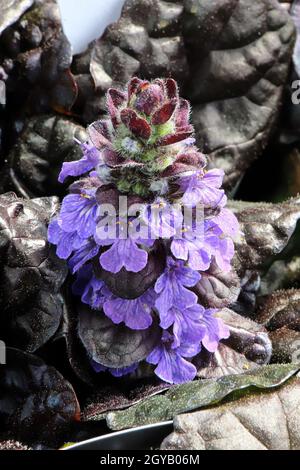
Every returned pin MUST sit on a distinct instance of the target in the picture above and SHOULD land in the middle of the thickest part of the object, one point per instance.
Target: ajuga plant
(144, 220)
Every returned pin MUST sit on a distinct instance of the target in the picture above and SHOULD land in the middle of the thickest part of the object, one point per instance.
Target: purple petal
(136, 314)
(88, 251)
(78, 213)
(124, 253)
(88, 162)
(215, 330)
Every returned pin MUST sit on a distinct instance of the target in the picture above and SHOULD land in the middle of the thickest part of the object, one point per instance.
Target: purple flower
(162, 219)
(228, 223)
(203, 188)
(224, 254)
(187, 324)
(78, 213)
(66, 241)
(91, 158)
(124, 254)
(215, 330)
(171, 287)
(192, 247)
(120, 372)
(91, 289)
(169, 358)
(136, 314)
(88, 250)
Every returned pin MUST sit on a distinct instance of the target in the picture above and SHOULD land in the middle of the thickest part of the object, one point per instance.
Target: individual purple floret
(136, 313)
(139, 265)
(91, 158)
(171, 360)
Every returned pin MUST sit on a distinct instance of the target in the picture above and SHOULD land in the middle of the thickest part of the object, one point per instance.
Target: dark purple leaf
(31, 275)
(113, 345)
(36, 403)
(266, 230)
(280, 314)
(217, 289)
(35, 161)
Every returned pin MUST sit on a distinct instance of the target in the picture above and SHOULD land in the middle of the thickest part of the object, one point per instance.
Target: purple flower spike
(136, 314)
(194, 247)
(89, 161)
(171, 287)
(215, 330)
(171, 365)
(228, 223)
(139, 265)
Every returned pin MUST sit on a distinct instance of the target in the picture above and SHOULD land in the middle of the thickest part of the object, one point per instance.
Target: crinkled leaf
(281, 275)
(234, 113)
(33, 324)
(35, 59)
(114, 345)
(217, 289)
(247, 348)
(36, 402)
(246, 302)
(264, 421)
(31, 275)
(295, 12)
(198, 394)
(266, 230)
(36, 160)
(11, 10)
(280, 313)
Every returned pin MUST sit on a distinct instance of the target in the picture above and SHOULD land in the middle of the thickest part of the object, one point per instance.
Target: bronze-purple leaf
(138, 126)
(36, 403)
(164, 113)
(217, 289)
(113, 345)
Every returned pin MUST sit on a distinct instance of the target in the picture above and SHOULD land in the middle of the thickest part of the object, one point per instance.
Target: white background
(85, 20)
